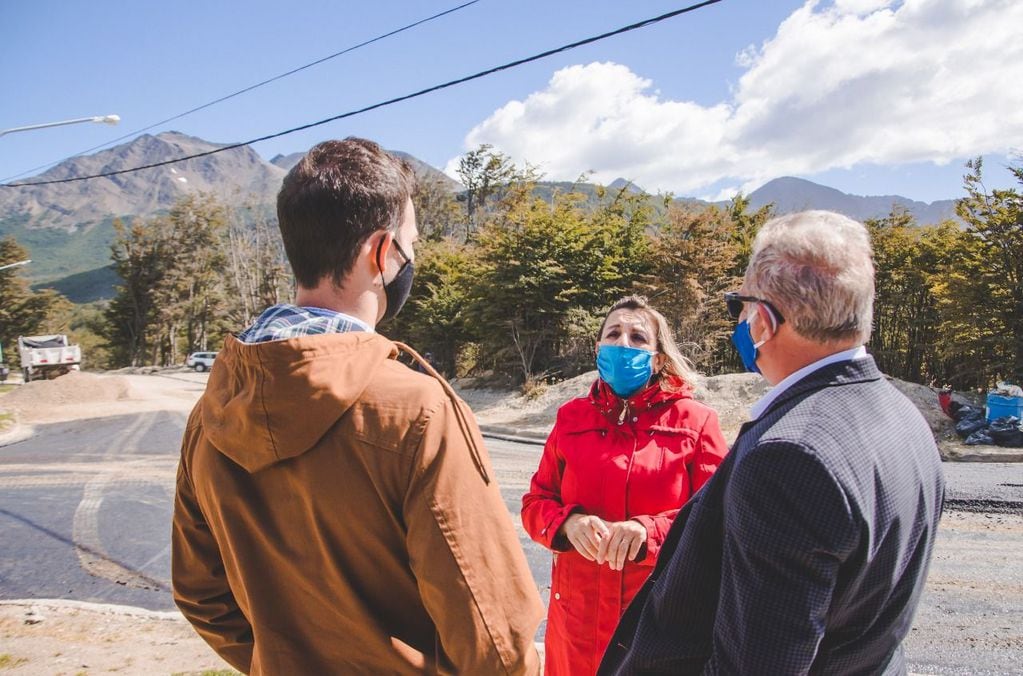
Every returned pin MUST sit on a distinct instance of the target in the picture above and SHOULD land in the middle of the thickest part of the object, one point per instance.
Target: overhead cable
(257, 85)
(389, 102)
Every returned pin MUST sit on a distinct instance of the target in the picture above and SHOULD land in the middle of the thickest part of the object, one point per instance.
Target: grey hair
(817, 268)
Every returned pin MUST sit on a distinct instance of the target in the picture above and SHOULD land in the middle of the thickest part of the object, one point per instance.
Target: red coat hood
(611, 405)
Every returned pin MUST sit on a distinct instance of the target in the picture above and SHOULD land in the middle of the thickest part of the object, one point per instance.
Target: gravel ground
(969, 622)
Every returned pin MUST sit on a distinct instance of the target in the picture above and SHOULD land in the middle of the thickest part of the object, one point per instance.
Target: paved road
(85, 514)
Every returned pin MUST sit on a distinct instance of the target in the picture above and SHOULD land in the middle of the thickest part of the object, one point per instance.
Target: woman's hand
(625, 540)
(585, 532)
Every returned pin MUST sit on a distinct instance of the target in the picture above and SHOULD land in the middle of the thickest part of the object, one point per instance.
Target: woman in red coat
(616, 469)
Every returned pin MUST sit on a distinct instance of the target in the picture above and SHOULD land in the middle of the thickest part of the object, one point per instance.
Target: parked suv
(200, 361)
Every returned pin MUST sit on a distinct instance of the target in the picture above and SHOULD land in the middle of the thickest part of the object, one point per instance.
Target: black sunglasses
(401, 252)
(734, 302)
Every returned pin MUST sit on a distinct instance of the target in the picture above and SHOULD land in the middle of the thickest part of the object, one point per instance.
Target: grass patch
(4, 389)
(6, 423)
(208, 672)
(9, 661)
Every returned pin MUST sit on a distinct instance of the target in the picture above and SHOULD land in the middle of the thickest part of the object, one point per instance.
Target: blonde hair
(675, 363)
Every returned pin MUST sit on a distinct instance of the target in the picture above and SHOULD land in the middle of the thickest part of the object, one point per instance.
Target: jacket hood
(267, 402)
(611, 405)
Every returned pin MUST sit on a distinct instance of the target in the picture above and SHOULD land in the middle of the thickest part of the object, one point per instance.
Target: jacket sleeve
(543, 511)
(788, 528)
(710, 450)
(469, 565)
(200, 585)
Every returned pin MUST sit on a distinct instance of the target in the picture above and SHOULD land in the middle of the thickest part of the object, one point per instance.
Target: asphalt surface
(85, 513)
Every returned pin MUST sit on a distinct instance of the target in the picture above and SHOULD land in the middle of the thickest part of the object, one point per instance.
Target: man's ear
(767, 321)
(381, 246)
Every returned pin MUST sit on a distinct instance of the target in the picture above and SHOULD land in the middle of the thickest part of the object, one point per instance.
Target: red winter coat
(641, 463)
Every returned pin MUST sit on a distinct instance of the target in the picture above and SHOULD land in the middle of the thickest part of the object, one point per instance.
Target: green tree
(191, 295)
(908, 260)
(140, 257)
(438, 213)
(995, 219)
(256, 272)
(694, 262)
(24, 312)
(745, 225)
(434, 318)
(487, 173)
(172, 299)
(543, 270)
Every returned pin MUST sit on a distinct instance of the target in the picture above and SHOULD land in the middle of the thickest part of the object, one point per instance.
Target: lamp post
(11, 265)
(105, 119)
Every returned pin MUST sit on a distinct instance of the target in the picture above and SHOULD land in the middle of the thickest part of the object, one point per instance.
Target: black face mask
(398, 289)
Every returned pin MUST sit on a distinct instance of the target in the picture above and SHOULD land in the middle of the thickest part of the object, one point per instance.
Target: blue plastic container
(1000, 406)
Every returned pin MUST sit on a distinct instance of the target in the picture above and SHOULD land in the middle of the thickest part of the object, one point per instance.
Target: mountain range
(68, 227)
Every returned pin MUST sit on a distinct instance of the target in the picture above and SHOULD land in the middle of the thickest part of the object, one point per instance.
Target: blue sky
(868, 96)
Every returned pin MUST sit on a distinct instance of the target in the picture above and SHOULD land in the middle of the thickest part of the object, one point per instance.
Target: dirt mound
(731, 395)
(926, 400)
(73, 388)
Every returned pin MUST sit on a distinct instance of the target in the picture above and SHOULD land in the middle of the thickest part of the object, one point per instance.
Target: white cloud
(850, 83)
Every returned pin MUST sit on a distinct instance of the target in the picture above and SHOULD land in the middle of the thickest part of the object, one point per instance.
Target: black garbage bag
(965, 412)
(967, 426)
(1006, 432)
(980, 438)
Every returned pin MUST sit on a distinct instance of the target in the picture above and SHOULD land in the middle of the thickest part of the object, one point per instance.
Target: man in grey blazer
(807, 550)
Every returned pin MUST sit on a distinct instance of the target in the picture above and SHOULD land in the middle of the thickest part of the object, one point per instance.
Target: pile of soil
(730, 395)
(72, 388)
(79, 395)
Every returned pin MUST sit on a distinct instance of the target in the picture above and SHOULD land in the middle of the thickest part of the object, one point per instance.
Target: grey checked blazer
(807, 550)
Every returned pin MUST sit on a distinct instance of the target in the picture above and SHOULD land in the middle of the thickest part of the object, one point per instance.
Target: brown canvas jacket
(336, 513)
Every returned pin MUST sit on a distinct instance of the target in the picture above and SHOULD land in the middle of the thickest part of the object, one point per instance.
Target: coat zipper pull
(625, 410)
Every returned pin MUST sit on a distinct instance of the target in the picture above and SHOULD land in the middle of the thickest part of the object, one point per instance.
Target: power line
(389, 102)
(257, 85)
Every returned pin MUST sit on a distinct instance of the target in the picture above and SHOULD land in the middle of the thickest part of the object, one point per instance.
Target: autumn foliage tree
(22, 310)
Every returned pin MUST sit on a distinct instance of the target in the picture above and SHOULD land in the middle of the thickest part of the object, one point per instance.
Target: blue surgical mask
(743, 341)
(624, 369)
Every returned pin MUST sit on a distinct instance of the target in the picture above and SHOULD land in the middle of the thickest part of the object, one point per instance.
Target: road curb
(97, 608)
(512, 434)
(17, 433)
(984, 454)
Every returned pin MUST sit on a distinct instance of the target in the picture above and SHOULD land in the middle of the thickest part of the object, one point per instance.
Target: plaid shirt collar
(280, 322)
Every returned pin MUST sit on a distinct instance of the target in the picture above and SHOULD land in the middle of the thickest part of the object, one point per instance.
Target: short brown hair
(339, 194)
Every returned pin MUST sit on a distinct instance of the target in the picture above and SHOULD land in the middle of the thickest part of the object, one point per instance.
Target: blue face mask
(743, 341)
(624, 369)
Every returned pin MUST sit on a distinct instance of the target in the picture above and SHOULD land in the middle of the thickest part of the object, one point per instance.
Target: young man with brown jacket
(336, 511)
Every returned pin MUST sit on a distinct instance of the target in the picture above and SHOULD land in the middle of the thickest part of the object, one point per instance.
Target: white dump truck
(4, 371)
(47, 356)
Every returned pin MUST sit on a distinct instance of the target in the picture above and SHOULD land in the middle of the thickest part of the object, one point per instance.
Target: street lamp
(105, 119)
(11, 265)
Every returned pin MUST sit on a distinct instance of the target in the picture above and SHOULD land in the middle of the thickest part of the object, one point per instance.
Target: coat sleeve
(543, 511)
(710, 450)
(469, 565)
(201, 590)
(788, 528)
